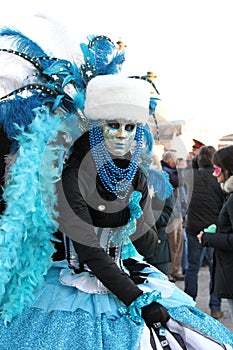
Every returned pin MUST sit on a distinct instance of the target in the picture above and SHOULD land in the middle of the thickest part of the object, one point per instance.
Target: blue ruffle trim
(58, 297)
(121, 236)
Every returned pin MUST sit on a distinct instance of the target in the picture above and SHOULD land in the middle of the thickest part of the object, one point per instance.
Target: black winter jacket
(206, 199)
(222, 241)
(84, 204)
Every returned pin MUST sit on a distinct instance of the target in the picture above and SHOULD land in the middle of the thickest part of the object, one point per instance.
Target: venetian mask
(119, 136)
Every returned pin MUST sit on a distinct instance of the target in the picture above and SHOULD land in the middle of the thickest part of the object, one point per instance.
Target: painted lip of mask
(217, 171)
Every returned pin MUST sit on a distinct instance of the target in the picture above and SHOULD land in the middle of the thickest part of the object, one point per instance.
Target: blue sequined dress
(75, 311)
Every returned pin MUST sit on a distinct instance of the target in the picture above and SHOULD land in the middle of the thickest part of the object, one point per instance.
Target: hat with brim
(197, 144)
(110, 97)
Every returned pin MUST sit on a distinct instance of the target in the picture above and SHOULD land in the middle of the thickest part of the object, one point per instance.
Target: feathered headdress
(56, 82)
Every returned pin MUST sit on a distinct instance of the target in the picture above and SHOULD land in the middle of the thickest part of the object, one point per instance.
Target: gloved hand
(155, 313)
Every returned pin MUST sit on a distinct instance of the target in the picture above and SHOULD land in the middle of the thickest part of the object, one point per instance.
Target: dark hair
(205, 157)
(224, 159)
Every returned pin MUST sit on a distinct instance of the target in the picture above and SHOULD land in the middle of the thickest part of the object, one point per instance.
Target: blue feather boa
(29, 221)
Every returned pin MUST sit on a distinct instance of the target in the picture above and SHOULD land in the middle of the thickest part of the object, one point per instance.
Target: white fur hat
(112, 96)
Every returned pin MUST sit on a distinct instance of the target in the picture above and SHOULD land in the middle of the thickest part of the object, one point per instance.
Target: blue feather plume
(23, 43)
(148, 140)
(87, 54)
(107, 58)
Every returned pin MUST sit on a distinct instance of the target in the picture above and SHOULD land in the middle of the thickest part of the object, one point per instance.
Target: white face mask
(119, 136)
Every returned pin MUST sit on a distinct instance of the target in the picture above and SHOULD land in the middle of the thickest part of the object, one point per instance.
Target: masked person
(103, 295)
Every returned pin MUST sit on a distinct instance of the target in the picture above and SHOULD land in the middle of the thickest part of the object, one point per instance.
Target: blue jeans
(196, 254)
(185, 253)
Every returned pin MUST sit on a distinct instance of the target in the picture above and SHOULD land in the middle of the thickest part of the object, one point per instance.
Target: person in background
(175, 225)
(162, 201)
(181, 165)
(205, 259)
(205, 202)
(196, 147)
(195, 151)
(221, 238)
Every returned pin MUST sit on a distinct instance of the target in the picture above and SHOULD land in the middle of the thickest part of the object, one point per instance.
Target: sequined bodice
(104, 235)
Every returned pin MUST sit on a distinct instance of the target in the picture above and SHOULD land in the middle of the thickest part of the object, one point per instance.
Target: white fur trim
(227, 186)
(112, 96)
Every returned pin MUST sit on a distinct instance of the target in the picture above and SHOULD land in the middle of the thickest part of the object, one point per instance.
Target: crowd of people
(91, 231)
(201, 199)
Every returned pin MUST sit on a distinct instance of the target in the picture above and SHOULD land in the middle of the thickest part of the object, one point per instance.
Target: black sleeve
(106, 270)
(221, 241)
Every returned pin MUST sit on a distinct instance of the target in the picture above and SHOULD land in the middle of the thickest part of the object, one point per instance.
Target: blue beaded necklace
(114, 179)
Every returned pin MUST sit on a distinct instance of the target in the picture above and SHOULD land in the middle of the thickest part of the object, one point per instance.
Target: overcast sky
(188, 44)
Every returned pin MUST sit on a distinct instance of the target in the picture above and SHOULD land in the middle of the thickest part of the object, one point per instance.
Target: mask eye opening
(130, 127)
(114, 125)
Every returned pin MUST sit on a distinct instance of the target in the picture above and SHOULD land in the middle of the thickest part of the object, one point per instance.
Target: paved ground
(203, 299)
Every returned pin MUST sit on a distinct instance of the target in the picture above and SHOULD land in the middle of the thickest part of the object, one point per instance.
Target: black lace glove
(155, 313)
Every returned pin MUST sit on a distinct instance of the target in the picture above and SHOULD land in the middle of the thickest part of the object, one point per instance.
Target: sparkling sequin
(57, 330)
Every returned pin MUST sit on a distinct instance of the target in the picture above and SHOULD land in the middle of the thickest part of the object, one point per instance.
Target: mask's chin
(118, 150)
